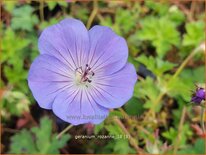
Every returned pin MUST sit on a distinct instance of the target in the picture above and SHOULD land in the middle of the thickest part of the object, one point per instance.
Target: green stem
(93, 14)
(41, 9)
(184, 63)
(64, 131)
(178, 71)
(202, 119)
(132, 140)
(178, 139)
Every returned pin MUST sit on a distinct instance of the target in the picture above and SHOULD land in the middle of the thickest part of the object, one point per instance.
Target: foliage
(172, 133)
(160, 37)
(197, 148)
(53, 4)
(14, 103)
(193, 36)
(39, 140)
(156, 65)
(13, 57)
(124, 21)
(23, 18)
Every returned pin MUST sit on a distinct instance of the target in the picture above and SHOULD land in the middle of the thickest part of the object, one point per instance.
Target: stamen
(84, 75)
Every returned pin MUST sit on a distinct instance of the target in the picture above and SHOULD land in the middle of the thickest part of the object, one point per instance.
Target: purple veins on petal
(78, 108)
(47, 77)
(103, 40)
(81, 74)
(68, 41)
(112, 91)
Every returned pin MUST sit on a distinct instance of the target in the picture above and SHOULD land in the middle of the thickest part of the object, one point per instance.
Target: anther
(85, 74)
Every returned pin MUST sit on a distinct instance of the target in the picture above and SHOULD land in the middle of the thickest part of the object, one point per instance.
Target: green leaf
(115, 113)
(9, 5)
(172, 133)
(13, 58)
(18, 44)
(122, 147)
(124, 21)
(117, 146)
(158, 7)
(114, 130)
(108, 22)
(175, 15)
(23, 18)
(38, 140)
(182, 85)
(11, 72)
(134, 107)
(194, 35)
(178, 87)
(156, 65)
(164, 10)
(63, 3)
(14, 103)
(148, 90)
(162, 36)
(51, 5)
(151, 105)
(196, 75)
(45, 24)
(197, 148)
(43, 132)
(23, 142)
(98, 127)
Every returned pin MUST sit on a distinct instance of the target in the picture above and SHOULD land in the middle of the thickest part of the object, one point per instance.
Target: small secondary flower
(198, 96)
(81, 74)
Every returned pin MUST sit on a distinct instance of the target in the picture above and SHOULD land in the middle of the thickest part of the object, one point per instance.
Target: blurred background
(166, 45)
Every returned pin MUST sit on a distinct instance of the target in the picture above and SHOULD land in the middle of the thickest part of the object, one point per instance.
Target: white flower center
(83, 76)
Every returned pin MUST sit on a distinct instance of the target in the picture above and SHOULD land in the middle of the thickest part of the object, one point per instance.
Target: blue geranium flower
(81, 74)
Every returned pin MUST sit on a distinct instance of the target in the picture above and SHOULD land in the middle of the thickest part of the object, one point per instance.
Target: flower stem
(93, 14)
(132, 140)
(178, 71)
(203, 120)
(178, 139)
(184, 63)
(64, 131)
(41, 9)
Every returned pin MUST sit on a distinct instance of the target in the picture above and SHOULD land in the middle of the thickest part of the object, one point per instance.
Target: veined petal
(47, 77)
(115, 90)
(107, 49)
(81, 74)
(78, 108)
(68, 41)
